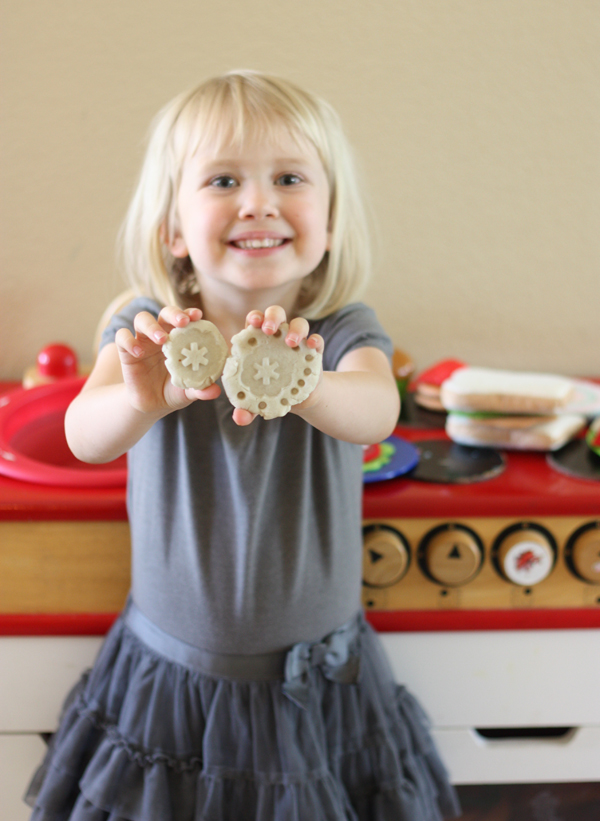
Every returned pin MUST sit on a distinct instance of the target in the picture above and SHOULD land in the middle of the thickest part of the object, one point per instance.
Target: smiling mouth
(256, 244)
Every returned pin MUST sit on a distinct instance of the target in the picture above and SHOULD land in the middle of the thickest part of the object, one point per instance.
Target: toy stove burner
(448, 462)
(576, 459)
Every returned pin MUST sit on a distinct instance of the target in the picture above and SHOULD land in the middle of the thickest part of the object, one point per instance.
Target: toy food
(195, 355)
(513, 432)
(427, 385)
(265, 376)
(486, 389)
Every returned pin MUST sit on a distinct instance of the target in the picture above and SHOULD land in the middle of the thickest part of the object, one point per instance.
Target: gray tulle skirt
(322, 734)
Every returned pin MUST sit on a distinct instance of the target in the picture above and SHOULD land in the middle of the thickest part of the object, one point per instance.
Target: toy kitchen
(481, 570)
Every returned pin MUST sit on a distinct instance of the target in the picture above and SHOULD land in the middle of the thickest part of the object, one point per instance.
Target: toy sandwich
(427, 386)
(507, 409)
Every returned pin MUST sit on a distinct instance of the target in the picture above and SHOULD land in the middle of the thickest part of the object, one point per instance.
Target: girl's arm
(358, 402)
(128, 390)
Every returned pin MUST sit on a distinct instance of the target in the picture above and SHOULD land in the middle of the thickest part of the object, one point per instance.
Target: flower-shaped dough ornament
(195, 355)
(264, 375)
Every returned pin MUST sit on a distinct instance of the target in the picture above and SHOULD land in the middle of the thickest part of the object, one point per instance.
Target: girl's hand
(269, 323)
(143, 363)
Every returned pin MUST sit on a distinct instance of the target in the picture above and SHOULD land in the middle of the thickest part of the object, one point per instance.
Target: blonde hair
(228, 109)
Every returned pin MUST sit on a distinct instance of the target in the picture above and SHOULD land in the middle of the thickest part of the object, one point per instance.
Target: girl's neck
(228, 308)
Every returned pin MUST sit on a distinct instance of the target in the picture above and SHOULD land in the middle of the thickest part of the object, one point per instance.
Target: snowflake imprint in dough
(194, 357)
(266, 371)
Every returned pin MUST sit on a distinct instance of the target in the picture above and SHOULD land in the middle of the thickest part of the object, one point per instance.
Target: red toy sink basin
(33, 446)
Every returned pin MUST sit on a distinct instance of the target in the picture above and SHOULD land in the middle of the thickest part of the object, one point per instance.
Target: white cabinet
(19, 755)
(464, 680)
(35, 676)
(507, 679)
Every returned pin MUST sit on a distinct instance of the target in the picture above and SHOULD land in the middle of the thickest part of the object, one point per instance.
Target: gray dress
(242, 681)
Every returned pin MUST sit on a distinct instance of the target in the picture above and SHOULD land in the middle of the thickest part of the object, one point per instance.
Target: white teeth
(258, 243)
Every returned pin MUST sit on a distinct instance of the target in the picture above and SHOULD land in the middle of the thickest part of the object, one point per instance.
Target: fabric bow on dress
(337, 656)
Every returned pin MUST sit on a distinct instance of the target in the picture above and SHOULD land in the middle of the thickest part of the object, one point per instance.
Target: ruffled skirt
(144, 737)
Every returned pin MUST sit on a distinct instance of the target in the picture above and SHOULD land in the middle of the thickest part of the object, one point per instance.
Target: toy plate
(33, 446)
(395, 458)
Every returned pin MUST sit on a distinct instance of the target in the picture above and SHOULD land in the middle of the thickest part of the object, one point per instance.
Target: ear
(178, 247)
(175, 244)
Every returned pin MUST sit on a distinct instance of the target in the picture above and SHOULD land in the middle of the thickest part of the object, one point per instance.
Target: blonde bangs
(239, 109)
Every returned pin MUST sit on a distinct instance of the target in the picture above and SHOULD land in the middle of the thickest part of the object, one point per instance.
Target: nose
(258, 200)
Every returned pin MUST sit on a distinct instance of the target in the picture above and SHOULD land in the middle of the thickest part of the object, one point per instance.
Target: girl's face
(255, 217)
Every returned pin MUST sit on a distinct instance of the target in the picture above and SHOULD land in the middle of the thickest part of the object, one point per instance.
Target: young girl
(241, 681)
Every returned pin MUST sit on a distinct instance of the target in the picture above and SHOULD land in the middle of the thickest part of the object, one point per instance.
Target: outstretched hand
(268, 322)
(143, 362)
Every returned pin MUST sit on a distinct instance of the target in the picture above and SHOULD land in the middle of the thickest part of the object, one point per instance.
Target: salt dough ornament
(195, 355)
(263, 375)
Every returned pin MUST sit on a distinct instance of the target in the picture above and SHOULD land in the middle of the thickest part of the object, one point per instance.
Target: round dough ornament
(195, 355)
(265, 376)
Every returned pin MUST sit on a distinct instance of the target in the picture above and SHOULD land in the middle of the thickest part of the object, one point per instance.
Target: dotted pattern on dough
(264, 375)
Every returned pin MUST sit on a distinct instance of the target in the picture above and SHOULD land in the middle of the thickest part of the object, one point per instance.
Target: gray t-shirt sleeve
(355, 326)
(125, 317)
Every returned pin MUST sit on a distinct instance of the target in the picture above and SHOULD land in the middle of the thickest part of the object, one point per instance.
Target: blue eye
(289, 179)
(223, 181)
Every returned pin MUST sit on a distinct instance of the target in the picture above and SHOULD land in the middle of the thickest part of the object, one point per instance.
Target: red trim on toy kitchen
(419, 621)
(56, 624)
(398, 621)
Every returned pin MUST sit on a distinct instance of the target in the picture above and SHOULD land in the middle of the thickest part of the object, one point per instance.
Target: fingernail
(159, 335)
(137, 351)
(292, 340)
(268, 326)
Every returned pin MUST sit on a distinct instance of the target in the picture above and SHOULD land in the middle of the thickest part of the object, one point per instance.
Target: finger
(274, 316)
(208, 393)
(170, 317)
(298, 330)
(255, 319)
(173, 317)
(145, 324)
(128, 344)
(316, 342)
(243, 417)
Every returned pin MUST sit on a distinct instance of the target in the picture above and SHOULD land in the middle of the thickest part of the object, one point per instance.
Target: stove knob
(386, 556)
(451, 554)
(525, 554)
(583, 552)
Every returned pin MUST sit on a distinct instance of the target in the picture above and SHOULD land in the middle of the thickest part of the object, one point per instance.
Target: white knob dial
(525, 556)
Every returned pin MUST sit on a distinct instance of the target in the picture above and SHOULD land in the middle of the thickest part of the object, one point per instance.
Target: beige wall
(477, 123)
